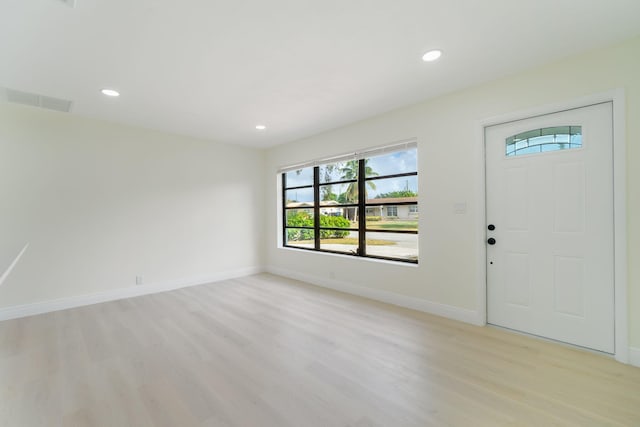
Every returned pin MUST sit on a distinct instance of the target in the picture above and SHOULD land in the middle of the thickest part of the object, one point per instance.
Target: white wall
(100, 204)
(448, 135)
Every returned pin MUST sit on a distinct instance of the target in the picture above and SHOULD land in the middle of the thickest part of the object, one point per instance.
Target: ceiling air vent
(35, 100)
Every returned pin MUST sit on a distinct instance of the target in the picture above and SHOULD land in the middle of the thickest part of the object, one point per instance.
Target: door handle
(491, 227)
(491, 241)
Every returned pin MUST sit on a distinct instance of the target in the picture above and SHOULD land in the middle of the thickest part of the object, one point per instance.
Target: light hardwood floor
(268, 351)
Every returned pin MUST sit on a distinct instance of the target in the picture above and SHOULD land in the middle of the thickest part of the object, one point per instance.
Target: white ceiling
(216, 68)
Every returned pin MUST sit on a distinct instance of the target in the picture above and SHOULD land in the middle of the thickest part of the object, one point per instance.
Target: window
(544, 140)
(358, 204)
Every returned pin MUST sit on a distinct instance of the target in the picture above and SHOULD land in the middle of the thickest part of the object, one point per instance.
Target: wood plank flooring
(269, 351)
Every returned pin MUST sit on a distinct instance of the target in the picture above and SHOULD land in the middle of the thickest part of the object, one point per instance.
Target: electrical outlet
(138, 280)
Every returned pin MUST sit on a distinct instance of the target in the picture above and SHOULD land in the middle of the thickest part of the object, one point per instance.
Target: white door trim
(617, 97)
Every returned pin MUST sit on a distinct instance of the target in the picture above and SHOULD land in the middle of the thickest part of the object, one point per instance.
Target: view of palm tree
(350, 171)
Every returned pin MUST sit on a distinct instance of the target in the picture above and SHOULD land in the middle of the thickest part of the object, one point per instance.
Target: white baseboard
(121, 293)
(634, 356)
(448, 311)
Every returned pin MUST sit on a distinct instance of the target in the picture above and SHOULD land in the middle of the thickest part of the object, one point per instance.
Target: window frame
(362, 205)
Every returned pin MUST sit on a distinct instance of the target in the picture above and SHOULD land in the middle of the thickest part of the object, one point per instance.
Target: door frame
(617, 97)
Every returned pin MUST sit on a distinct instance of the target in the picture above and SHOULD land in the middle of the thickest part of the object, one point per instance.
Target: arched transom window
(544, 140)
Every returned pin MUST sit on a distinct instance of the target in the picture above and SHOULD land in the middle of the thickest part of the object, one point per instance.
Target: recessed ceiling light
(432, 55)
(261, 127)
(110, 92)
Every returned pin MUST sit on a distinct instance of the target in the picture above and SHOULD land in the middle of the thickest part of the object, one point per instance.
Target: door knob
(491, 241)
(491, 227)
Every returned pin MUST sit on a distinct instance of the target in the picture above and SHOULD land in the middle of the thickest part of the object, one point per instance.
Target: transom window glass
(362, 205)
(544, 140)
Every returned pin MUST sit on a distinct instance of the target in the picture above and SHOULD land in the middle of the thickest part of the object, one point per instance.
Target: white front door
(550, 235)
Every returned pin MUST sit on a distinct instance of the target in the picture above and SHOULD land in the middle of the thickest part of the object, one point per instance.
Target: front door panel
(550, 197)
